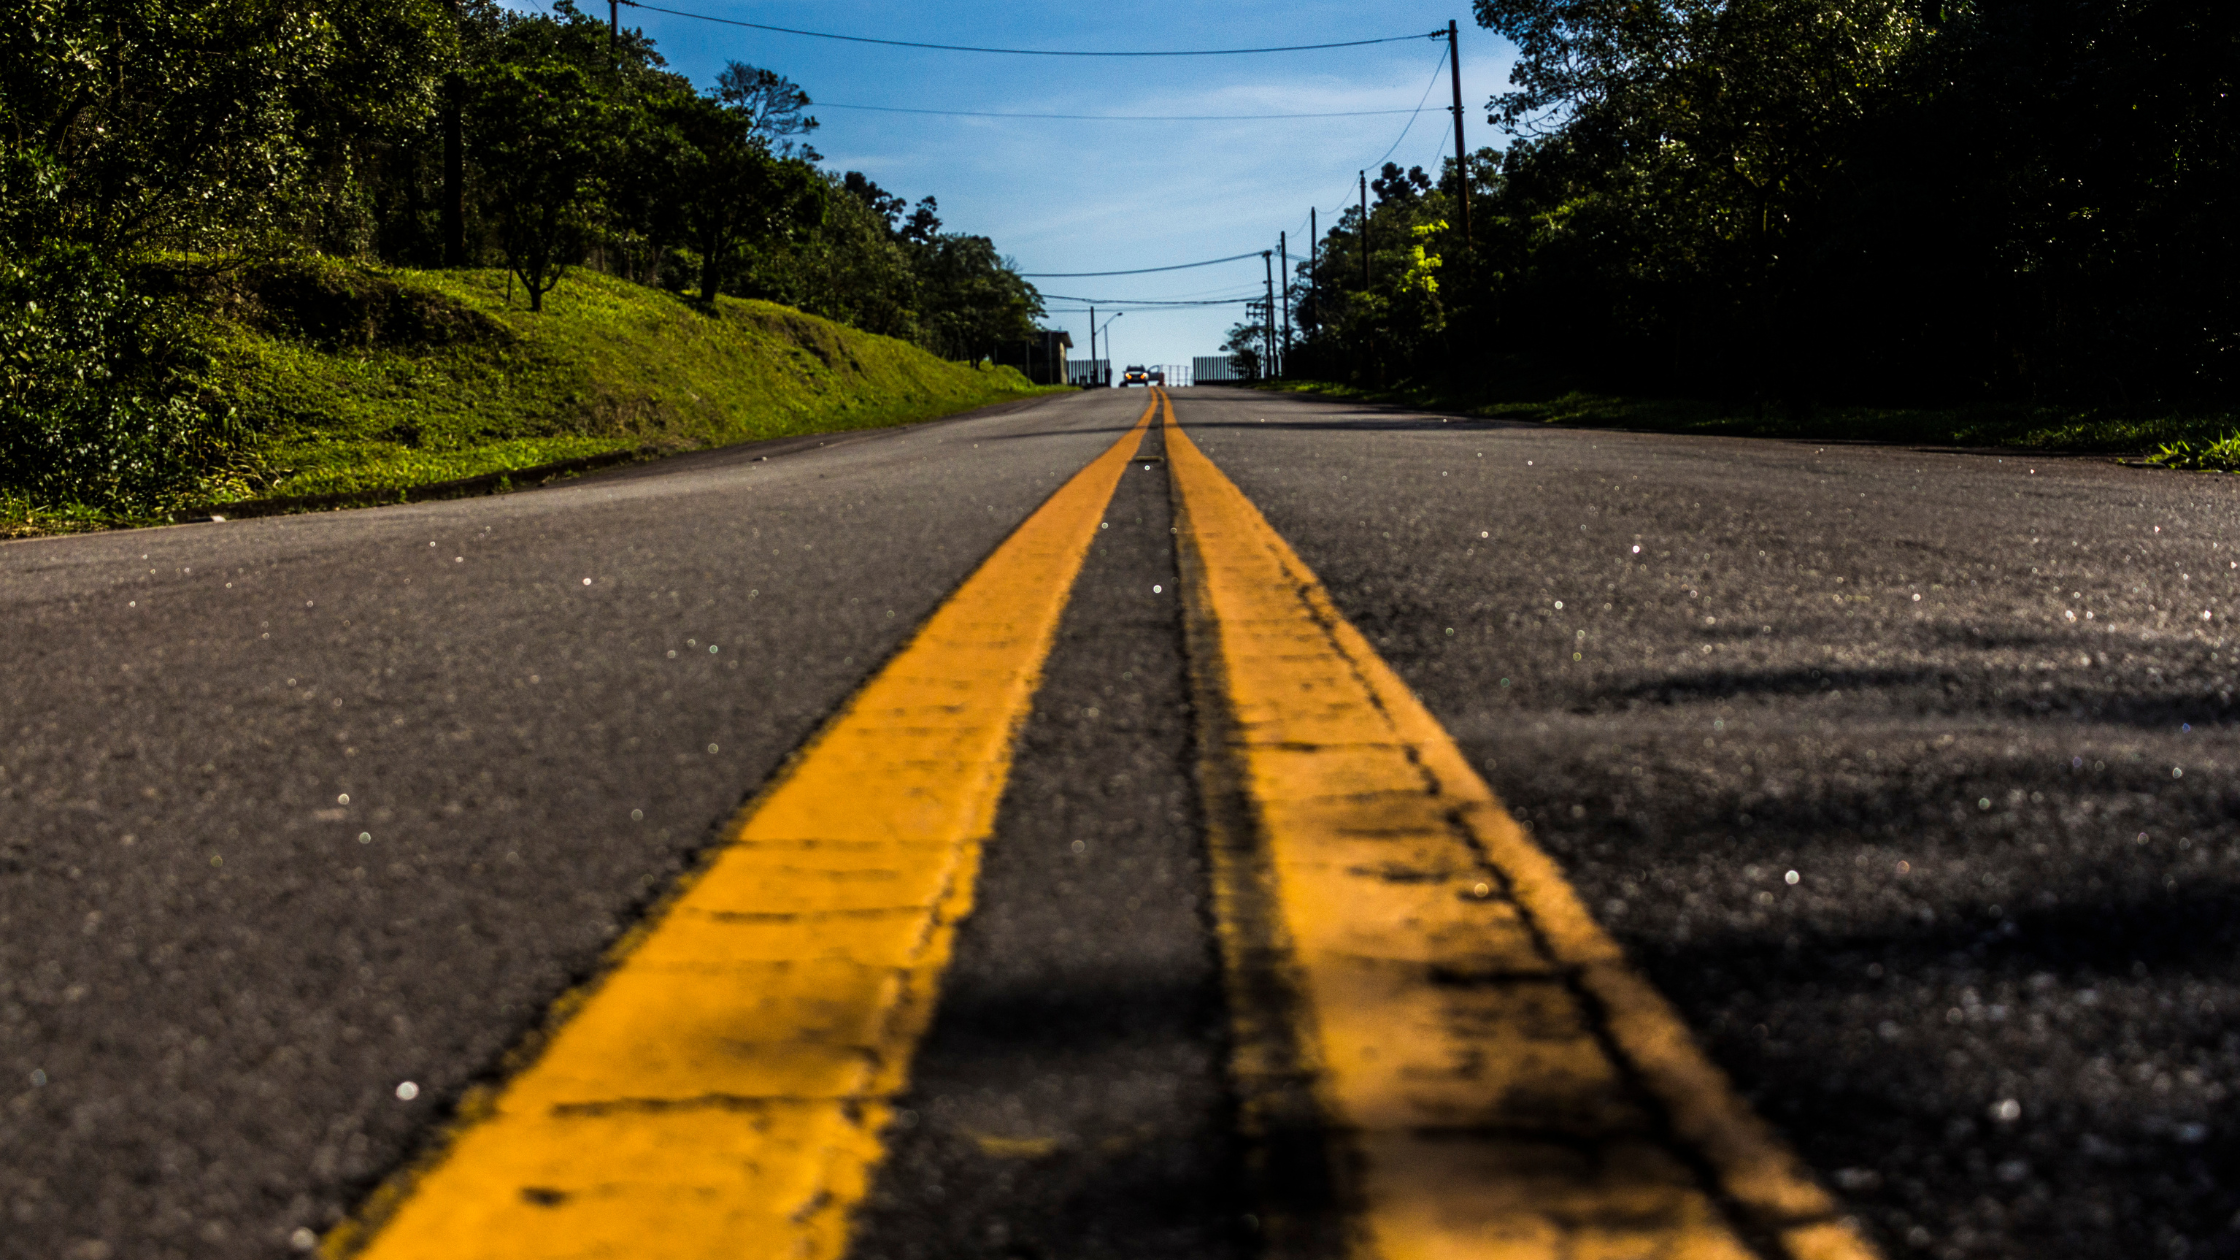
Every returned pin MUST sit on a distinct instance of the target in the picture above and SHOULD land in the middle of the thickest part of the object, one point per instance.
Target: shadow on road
(1929, 690)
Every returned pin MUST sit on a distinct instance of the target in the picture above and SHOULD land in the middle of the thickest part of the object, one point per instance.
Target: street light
(1109, 357)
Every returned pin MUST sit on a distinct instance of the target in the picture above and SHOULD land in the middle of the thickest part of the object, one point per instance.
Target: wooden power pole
(1268, 268)
(1461, 155)
(1283, 259)
(1364, 231)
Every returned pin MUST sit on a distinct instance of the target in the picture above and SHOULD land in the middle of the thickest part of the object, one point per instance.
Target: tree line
(1795, 200)
(143, 138)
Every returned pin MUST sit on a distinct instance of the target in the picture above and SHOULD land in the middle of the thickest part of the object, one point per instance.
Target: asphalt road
(1069, 1101)
(296, 811)
(211, 989)
(1972, 702)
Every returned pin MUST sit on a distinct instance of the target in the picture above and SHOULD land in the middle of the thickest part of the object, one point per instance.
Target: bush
(103, 401)
(328, 303)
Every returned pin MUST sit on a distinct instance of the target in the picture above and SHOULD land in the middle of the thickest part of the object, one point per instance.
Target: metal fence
(1211, 369)
(1100, 372)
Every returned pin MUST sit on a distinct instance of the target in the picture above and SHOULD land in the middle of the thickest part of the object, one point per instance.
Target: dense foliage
(140, 138)
(1791, 200)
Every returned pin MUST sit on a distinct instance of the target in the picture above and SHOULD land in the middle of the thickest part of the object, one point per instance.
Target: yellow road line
(720, 1093)
(1402, 957)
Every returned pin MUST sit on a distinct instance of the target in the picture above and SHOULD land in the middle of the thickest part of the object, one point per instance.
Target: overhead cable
(1034, 52)
(978, 113)
(1418, 109)
(1347, 199)
(1113, 302)
(1140, 271)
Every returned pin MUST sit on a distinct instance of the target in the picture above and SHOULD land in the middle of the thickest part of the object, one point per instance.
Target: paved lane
(1905, 777)
(295, 811)
(1999, 1006)
(1070, 1099)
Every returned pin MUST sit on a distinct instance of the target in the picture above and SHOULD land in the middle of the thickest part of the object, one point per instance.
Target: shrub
(103, 395)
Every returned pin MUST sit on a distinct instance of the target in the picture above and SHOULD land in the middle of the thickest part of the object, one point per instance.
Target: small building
(1040, 358)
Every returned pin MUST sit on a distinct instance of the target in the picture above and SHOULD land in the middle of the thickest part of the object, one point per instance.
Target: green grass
(2218, 455)
(2118, 431)
(24, 517)
(606, 366)
(363, 381)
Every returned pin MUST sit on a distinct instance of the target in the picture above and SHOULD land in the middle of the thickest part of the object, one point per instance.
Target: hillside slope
(355, 379)
(325, 382)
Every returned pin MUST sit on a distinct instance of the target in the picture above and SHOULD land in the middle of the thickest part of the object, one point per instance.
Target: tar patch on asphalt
(1070, 1100)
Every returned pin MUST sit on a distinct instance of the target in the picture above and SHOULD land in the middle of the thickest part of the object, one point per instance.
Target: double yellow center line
(1409, 976)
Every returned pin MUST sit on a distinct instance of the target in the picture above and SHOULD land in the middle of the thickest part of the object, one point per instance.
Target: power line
(1418, 110)
(1413, 114)
(976, 113)
(1114, 305)
(1220, 290)
(1179, 299)
(1140, 271)
(1033, 52)
(1063, 297)
(1346, 199)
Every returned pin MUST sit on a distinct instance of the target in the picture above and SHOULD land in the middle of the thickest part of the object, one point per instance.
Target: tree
(1676, 146)
(852, 267)
(196, 125)
(542, 137)
(102, 395)
(923, 226)
(878, 200)
(131, 128)
(775, 108)
(148, 147)
(1243, 348)
(1394, 184)
(731, 191)
(971, 299)
(1875, 197)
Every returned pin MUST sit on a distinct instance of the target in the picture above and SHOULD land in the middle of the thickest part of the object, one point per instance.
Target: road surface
(1904, 778)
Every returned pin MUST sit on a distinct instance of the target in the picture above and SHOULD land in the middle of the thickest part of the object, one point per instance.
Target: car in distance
(1135, 375)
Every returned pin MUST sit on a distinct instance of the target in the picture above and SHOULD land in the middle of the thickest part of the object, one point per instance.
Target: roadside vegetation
(2218, 455)
(2169, 437)
(369, 383)
(250, 248)
(1971, 221)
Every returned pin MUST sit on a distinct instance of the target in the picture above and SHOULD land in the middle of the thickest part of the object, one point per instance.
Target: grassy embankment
(364, 384)
(2203, 440)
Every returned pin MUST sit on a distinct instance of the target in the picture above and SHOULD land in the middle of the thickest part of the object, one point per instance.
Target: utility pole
(454, 165)
(1092, 345)
(1364, 231)
(614, 31)
(1368, 330)
(1268, 266)
(1461, 156)
(1283, 264)
(1314, 265)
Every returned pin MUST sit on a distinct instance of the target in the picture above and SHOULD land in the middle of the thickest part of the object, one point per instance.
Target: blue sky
(1064, 196)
